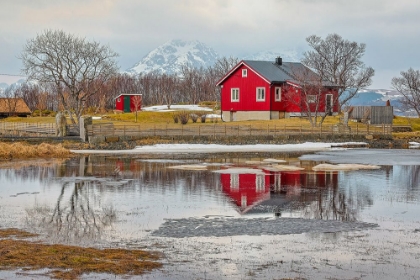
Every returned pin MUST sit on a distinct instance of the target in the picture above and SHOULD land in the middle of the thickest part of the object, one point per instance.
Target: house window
(261, 94)
(311, 98)
(244, 72)
(234, 182)
(244, 201)
(119, 99)
(234, 94)
(260, 183)
(277, 182)
(277, 91)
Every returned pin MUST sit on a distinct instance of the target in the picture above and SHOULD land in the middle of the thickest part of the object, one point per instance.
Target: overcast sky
(132, 28)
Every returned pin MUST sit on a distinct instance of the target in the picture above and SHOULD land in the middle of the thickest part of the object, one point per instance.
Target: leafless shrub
(203, 117)
(183, 117)
(175, 117)
(194, 118)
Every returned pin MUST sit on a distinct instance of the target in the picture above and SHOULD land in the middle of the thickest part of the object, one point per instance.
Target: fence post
(357, 128)
(268, 130)
(274, 130)
(249, 130)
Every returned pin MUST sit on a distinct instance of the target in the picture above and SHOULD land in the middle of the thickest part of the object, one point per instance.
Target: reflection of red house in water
(249, 190)
(246, 190)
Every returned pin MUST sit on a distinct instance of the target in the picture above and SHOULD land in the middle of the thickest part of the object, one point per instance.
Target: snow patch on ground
(164, 108)
(217, 148)
(189, 167)
(240, 171)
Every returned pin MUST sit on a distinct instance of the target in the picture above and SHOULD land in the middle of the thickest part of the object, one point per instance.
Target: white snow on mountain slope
(270, 55)
(171, 56)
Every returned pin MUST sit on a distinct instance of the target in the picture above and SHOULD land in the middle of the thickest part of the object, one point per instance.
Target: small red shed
(265, 90)
(128, 102)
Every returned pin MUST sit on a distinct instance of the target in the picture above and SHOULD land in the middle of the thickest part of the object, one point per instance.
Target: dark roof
(273, 72)
(276, 73)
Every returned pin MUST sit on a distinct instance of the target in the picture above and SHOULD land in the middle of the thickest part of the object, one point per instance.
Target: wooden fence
(27, 129)
(33, 129)
(109, 129)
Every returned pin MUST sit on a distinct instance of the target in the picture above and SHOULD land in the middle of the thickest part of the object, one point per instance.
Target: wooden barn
(265, 90)
(372, 114)
(13, 107)
(128, 102)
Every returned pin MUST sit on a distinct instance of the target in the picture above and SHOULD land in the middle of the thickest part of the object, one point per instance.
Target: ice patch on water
(343, 167)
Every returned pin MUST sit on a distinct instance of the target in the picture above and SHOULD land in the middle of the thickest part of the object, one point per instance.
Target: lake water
(229, 216)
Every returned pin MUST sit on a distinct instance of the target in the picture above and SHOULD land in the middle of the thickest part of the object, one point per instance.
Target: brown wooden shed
(13, 107)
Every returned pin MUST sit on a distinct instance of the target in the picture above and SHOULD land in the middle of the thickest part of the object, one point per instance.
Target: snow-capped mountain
(375, 97)
(171, 56)
(270, 55)
(378, 97)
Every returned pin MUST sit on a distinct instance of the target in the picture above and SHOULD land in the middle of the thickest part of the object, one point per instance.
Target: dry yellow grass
(70, 262)
(24, 150)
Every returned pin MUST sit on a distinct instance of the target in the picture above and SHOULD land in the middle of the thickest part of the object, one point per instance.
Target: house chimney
(279, 61)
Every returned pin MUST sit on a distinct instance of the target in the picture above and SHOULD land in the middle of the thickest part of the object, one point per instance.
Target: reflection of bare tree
(320, 197)
(74, 219)
(335, 204)
(407, 177)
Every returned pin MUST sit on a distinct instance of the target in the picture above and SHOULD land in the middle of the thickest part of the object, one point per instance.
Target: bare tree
(309, 93)
(136, 103)
(409, 86)
(73, 64)
(30, 94)
(224, 65)
(192, 84)
(12, 96)
(340, 62)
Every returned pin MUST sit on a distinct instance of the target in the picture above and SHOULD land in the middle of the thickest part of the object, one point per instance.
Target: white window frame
(244, 73)
(234, 182)
(244, 201)
(277, 94)
(234, 94)
(260, 183)
(277, 182)
(311, 98)
(260, 93)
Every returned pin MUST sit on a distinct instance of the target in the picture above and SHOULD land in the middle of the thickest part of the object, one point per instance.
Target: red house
(264, 90)
(128, 102)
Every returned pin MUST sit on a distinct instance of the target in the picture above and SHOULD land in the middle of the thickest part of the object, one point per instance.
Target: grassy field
(148, 119)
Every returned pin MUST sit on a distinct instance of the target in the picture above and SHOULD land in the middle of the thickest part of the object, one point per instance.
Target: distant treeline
(191, 86)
